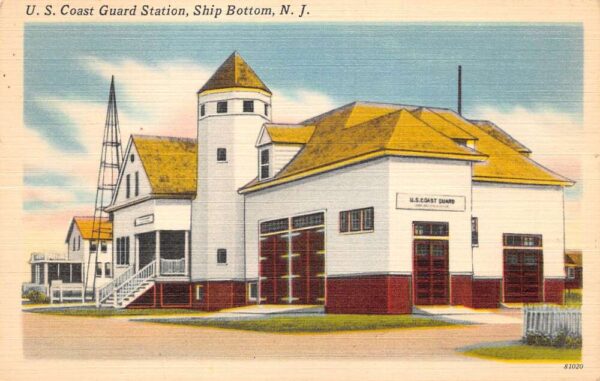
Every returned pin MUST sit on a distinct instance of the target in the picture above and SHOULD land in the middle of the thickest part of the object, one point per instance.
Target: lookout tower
(232, 107)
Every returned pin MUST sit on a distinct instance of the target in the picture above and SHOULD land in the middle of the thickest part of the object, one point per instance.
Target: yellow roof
(234, 73)
(169, 162)
(504, 163)
(498, 133)
(573, 258)
(290, 133)
(88, 231)
(441, 125)
(362, 131)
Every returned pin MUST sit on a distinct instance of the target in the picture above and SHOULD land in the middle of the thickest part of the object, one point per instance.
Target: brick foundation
(554, 290)
(486, 293)
(461, 290)
(377, 294)
(216, 296)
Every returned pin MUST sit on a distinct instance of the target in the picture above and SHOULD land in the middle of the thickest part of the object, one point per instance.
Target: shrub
(561, 340)
(37, 297)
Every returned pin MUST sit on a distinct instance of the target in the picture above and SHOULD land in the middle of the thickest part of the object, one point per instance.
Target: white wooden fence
(66, 292)
(551, 320)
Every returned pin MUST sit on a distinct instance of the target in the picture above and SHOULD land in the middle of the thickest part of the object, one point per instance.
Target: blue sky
(526, 78)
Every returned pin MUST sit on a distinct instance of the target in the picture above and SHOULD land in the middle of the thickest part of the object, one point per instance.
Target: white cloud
(555, 138)
(298, 105)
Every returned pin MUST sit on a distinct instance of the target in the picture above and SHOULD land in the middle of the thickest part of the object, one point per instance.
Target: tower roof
(234, 72)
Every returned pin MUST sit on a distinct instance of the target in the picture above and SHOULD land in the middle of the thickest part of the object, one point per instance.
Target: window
(131, 158)
(222, 107)
(315, 219)
(78, 242)
(266, 109)
(357, 220)
(221, 154)
(343, 222)
(434, 229)
(137, 183)
(199, 292)
(570, 273)
(248, 106)
(74, 243)
(128, 186)
(368, 220)
(123, 251)
(474, 232)
(252, 291)
(523, 240)
(222, 256)
(103, 246)
(264, 164)
(107, 270)
(274, 226)
(98, 269)
(93, 246)
(202, 109)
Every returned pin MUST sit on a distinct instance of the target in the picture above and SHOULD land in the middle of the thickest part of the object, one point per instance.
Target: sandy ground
(47, 336)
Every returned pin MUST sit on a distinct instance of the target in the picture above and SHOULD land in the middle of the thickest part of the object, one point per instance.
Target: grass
(109, 312)
(528, 353)
(316, 324)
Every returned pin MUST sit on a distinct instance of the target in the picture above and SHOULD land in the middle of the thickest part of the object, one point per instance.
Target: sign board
(143, 220)
(417, 201)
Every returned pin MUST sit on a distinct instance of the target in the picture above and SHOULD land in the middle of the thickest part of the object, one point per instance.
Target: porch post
(136, 252)
(157, 251)
(186, 251)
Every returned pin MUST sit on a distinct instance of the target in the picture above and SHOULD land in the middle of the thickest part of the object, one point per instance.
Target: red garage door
(292, 260)
(523, 280)
(308, 267)
(430, 266)
(273, 269)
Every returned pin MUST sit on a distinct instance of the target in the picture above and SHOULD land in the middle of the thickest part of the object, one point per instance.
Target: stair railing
(132, 284)
(106, 291)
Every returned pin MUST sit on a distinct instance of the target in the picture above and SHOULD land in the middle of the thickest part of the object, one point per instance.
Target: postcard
(299, 190)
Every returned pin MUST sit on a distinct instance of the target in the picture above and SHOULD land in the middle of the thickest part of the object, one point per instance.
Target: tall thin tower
(110, 162)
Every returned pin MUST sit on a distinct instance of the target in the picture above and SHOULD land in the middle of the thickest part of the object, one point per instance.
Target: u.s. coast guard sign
(430, 202)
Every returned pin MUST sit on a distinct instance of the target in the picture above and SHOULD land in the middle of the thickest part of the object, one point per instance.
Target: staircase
(126, 287)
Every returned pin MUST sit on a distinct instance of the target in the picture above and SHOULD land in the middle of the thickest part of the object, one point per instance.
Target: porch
(47, 269)
(169, 248)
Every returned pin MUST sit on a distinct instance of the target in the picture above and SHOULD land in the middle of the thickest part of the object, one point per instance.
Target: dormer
(277, 144)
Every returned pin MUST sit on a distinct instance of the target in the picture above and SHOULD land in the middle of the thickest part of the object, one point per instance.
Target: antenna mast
(111, 158)
(459, 90)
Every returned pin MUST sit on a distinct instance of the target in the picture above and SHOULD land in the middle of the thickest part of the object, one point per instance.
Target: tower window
(128, 186)
(137, 183)
(221, 154)
(202, 109)
(266, 109)
(264, 164)
(222, 256)
(131, 158)
(248, 106)
(222, 107)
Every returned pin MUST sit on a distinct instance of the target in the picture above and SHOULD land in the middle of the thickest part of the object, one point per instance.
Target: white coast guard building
(368, 208)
